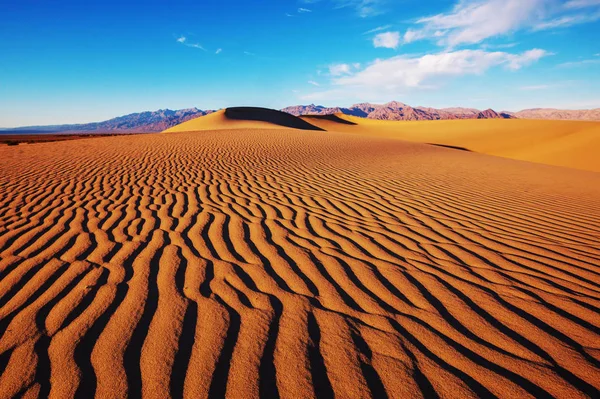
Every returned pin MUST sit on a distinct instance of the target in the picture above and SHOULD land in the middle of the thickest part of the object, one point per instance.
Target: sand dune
(572, 144)
(244, 118)
(291, 263)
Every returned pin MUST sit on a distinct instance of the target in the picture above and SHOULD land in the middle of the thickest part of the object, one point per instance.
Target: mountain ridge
(397, 111)
(162, 119)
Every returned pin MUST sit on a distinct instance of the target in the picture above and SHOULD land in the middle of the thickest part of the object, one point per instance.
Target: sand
(269, 261)
(574, 144)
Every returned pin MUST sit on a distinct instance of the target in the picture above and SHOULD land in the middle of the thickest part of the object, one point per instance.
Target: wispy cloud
(473, 21)
(312, 82)
(183, 40)
(387, 40)
(582, 3)
(219, 51)
(249, 53)
(579, 63)
(364, 8)
(303, 10)
(498, 46)
(339, 69)
(389, 77)
(406, 71)
(378, 29)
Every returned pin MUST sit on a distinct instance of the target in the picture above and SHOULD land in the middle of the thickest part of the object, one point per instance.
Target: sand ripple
(295, 264)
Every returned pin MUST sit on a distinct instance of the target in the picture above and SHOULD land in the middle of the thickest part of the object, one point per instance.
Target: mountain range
(142, 122)
(157, 121)
(397, 111)
(561, 114)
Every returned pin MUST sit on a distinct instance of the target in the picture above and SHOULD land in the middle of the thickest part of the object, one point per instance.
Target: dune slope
(288, 263)
(244, 118)
(572, 144)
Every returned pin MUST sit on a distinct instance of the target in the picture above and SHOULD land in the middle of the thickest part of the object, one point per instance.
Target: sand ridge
(294, 263)
(573, 144)
(244, 118)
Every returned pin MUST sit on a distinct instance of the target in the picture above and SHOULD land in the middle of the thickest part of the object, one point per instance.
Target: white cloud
(364, 8)
(303, 10)
(412, 35)
(378, 29)
(578, 63)
(196, 45)
(387, 40)
(312, 82)
(339, 69)
(411, 72)
(397, 76)
(473, 21)
(219, 51)
(568, 20)
(498, 46)
(183, 40)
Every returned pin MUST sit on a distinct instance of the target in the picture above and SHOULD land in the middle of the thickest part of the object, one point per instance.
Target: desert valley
(253, 253)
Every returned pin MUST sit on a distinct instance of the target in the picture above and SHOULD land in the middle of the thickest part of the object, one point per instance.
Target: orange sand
(295, 263)
(574, 144)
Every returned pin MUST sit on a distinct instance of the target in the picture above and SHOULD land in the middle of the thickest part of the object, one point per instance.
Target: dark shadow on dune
(452, 147)
(269, 115)
(332, 118)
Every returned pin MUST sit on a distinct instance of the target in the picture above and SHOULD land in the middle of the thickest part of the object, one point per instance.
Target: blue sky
(82, 61)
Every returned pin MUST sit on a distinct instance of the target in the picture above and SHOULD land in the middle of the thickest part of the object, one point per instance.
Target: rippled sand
(281, 262)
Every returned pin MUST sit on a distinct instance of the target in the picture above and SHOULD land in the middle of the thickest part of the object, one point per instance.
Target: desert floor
(295, 263)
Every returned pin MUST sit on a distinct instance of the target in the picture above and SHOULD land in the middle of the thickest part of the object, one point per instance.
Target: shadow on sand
(269, 115)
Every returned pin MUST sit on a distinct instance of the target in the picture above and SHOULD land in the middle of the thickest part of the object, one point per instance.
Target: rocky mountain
(396, 111)
(461, 113)
(311, 109)
(142, 122)
(551, 113)
(488, 114)
(157, 121)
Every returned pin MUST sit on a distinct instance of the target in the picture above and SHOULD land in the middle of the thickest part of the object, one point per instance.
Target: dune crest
(244, 118)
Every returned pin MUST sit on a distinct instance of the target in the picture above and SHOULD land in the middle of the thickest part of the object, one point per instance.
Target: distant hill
(397, 111)
(157, 121)
(142, 122)
(551, 113)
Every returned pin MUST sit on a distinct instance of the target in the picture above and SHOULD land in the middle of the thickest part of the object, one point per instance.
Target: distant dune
(235, 257)
(574, 144)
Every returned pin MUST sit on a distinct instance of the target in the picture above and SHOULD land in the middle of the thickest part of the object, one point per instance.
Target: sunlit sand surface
(270, 261)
